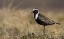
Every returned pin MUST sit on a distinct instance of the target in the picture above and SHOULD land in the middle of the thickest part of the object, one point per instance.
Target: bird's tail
(57, 23)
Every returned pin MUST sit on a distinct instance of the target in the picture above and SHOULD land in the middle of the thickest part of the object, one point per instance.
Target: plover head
(35, 11)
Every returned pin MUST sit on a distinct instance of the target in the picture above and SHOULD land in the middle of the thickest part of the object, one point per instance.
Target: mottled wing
(45, 19)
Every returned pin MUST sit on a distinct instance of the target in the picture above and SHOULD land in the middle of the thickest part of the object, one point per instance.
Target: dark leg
(44, 30)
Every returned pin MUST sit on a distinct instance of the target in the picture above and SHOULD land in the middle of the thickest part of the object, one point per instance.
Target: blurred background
(16, 19)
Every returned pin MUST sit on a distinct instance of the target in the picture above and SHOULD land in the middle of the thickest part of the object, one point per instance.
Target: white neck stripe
(36, 16)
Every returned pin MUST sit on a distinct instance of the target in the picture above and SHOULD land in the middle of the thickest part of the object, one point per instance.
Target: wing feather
(45, 19)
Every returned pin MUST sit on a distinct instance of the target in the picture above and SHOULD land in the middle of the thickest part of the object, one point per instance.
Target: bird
(42, 20)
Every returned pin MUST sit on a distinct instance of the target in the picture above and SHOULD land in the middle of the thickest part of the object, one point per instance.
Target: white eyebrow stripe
(35, 9)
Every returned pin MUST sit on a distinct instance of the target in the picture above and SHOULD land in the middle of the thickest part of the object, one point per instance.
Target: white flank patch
(36, 16)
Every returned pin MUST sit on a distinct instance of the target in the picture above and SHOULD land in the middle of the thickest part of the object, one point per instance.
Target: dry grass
(16, 23)
(20, 24)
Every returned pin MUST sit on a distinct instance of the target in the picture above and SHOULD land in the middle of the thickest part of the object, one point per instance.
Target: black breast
(41, 22)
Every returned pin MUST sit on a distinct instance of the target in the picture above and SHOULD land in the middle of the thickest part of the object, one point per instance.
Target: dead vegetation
(19, 24)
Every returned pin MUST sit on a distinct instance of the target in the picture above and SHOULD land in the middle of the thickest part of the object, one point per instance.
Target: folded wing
(46, 20)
